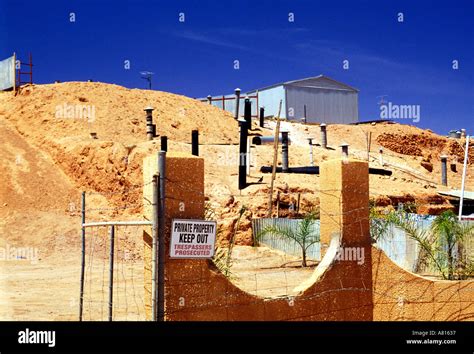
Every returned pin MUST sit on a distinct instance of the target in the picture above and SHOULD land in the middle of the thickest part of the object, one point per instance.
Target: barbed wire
(124, 191)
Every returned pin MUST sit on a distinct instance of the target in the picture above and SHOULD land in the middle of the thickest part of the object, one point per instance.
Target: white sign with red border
(192, 239)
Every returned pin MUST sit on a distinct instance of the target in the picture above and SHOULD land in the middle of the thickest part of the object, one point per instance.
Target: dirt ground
(48, 159)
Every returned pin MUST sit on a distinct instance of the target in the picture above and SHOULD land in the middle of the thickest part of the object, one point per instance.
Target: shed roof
(313, 82)
(457, 194)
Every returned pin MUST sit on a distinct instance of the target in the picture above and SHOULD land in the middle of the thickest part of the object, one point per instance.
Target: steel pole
(83, 258)
(154, 250)
(111, 271)
(161, 235)
(463, 182)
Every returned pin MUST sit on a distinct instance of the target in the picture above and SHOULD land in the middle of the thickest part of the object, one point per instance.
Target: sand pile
(58, 119)
(52, 112)
(425, 144)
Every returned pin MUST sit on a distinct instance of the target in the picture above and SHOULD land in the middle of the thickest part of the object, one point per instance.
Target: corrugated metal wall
(7, 73)
(284, 245)
(322, 105)
(404, 251)
(270, 100)
(400, 248)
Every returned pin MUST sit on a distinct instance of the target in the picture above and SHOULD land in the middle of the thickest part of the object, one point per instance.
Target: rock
(427, 165)
(230, 201)
(226, 228)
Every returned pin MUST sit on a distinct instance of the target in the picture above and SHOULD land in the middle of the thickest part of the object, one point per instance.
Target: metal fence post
(154, 250)
(262, 117)
(83, 258)
(161, 235)
(463, 181)
(111, 271)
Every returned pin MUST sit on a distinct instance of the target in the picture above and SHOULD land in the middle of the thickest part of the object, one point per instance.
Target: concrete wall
(403, 296)
(339, 289)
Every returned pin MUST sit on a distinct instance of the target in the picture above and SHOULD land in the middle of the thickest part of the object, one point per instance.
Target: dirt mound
(56, 111)
(425, 144)
(411, 144)
(58, 119)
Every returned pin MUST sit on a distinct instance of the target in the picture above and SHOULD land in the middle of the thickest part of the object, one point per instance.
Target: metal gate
(111, 265)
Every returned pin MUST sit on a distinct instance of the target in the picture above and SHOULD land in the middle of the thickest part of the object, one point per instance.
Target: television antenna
(146, 75)
(382, 100)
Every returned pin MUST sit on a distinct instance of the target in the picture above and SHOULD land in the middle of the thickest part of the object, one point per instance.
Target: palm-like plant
(439, 243)
(303, 235)
(450, 233)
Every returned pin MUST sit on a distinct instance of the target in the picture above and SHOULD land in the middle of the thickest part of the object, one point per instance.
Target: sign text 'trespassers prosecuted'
(192, 239)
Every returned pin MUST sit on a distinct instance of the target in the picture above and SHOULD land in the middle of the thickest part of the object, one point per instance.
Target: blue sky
(411, 61)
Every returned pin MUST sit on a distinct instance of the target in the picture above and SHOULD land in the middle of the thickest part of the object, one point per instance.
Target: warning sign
(192, 238)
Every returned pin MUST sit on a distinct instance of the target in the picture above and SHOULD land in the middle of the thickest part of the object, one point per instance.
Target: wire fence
(127, 274)
(113, 267)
